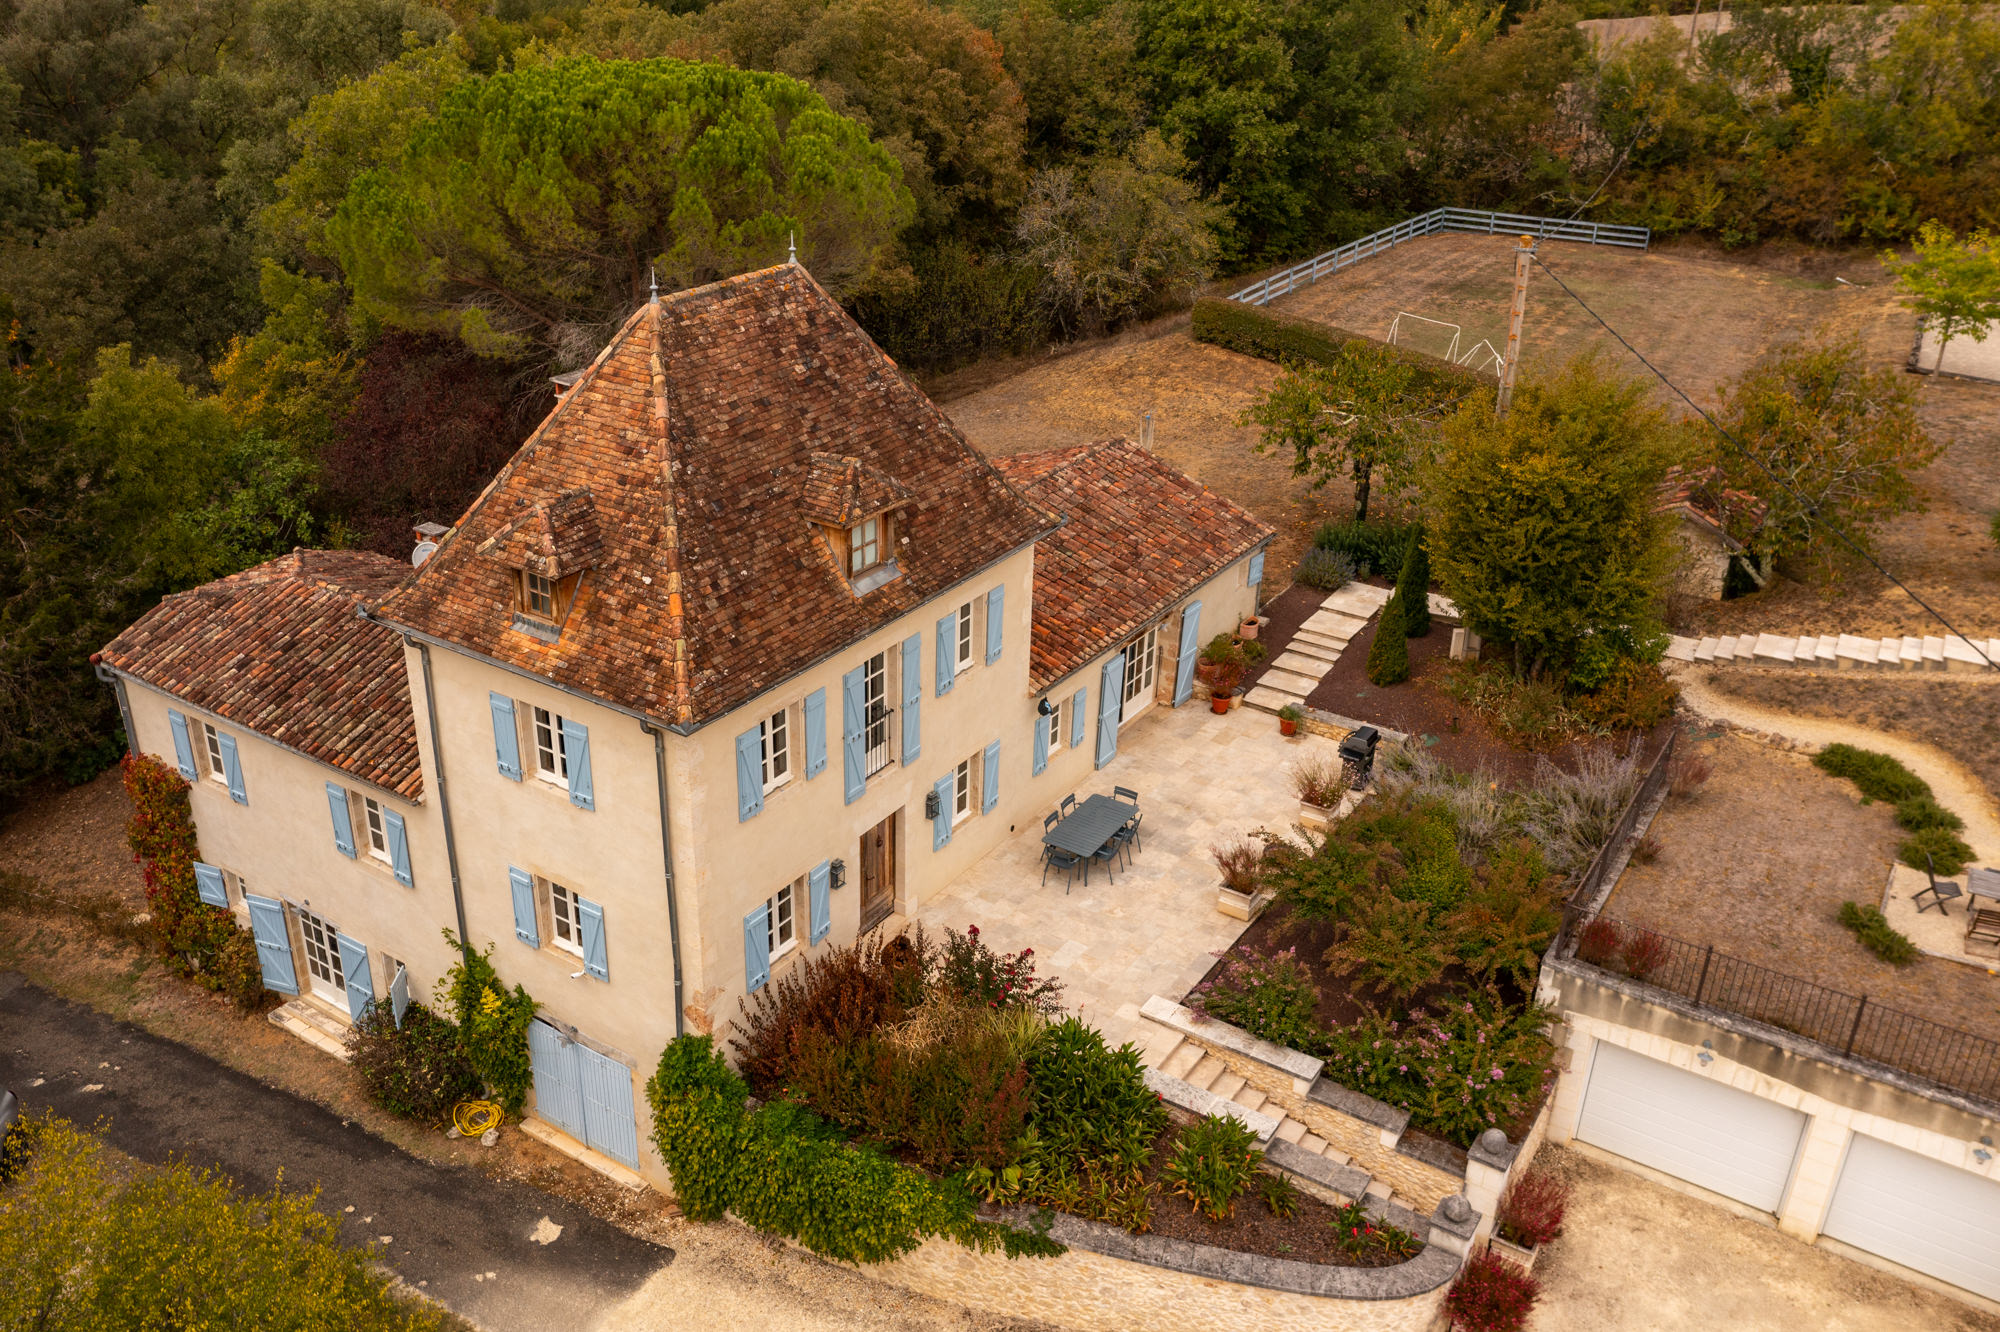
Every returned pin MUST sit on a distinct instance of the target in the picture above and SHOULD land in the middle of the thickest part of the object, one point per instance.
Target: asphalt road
(448, 1226)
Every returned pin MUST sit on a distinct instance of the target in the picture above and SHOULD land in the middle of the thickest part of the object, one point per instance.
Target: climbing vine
(201, 942)
(492, 1023)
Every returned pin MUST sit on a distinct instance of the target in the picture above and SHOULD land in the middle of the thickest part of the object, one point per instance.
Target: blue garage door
(585, 1094)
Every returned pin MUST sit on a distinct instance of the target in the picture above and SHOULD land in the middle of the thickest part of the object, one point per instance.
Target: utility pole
(1522, 257)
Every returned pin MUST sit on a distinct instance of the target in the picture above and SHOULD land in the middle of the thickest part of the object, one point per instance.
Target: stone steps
(313, 1025)
(1844, 652)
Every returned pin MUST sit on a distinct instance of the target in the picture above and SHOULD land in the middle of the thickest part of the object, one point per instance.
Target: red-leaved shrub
(201, 942)
(1491, 1295)
(1599, 943)
(1531, 1211)
(1643, 955)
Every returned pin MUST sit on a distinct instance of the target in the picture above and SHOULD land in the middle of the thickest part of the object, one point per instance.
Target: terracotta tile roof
(696, 432)
(280, 650)
(1141, 535)
(1699, 493)
(843, 491)
(555, 539)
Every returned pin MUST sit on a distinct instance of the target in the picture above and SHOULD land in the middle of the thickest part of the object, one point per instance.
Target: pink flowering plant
(970, 969)
(1270, 995)
(1460, 1067)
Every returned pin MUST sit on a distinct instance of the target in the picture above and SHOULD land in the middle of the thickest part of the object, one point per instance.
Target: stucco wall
(281, 843)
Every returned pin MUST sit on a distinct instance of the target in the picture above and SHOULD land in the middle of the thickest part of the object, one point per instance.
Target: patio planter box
(1241, 906)
(1514, 1253)
(1318, 815)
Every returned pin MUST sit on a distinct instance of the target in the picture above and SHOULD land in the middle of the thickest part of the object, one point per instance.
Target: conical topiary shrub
(1413, 586)
(1389, 659)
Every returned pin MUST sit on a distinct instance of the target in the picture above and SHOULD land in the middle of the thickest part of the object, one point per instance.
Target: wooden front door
(878, 873)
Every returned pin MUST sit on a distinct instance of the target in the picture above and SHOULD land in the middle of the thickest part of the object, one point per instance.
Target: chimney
(427, 535)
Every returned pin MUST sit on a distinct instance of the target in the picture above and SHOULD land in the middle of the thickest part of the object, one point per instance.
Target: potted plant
(1321, 783)
(1247, 631)
(1530, 1215)
(1289, 718)
(1240, 863)
(1221, 667)
(1222, 688)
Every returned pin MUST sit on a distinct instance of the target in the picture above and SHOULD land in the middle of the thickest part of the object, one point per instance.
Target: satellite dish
(424, 550)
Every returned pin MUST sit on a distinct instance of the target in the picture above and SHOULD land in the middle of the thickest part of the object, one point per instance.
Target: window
(322, 952)
(1055, 722)
(538, 595)
(1142, 660)
(551, 758)
(213, 742)
(965, 657)
(864, 545)
(780, 924)
(568, 917)
(777, 750)
(875, 707)
(961, 792)
(378, 832)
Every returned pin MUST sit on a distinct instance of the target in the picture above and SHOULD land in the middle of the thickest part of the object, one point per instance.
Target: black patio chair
(1055, 858)
(1940, 893)
(1108, 853)
(1127, 837)
(1125, 793)
(1068, 805)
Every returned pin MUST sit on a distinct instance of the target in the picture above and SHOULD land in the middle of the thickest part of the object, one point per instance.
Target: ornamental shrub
(1459, 1068)
(1214, 1160)
(1491, 1295)
(967, 967)
(201, 942)
(1090, 1101)
(698, 1124)
(1269, 995)
(844, 990)
(1413, 585)
(1874, 930)
(1531, 1211)
(1636, 696)
(1389, 657)
(1324, 570)
(1939, 850)
(492, 1023)
(418, 1071)
(1377, 546)
(1919, 813)
(1877, 776)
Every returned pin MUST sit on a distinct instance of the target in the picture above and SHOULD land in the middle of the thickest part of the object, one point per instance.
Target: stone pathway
(1316, 646)
(1839, 652)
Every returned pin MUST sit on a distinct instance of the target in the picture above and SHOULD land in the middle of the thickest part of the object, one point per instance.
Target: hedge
(1255, 331)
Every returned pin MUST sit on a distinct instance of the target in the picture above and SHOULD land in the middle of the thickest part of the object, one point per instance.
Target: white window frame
(864, 545)
(1055, 723)
(879, 731)
(774, 743)
(967, 655)
(377, 828)
(565, 917)
(538, 596)
(1142, 666)
(961, 793)
(781, 921)
(543, 722)
(325, 946)
(211, 743)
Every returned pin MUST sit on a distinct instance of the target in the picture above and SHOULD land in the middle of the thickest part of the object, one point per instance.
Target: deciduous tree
(1952, 281)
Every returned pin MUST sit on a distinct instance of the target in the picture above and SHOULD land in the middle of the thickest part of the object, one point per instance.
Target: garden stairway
(1844, 652)
(1317, 644)
(312, 1024)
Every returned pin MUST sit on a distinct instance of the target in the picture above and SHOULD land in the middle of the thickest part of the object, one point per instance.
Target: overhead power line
(1737, 446)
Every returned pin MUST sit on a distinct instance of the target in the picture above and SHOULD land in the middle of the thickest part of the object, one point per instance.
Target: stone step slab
(1305, 640)
(1856, 653)
(1334, 625)
(1290, 682)
(1251, 1099)
(1290, 1130)
(1680, 649)
(1227, 1085)
(1357, 599)
(1205, 1072)
(1705, 649)
(1312, 649)
(1265, 698)
(1297, 663)
(1184, 1057)
(1769, 649)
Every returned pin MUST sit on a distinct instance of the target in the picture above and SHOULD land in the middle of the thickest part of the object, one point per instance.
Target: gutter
(667, 857)
(444, 801)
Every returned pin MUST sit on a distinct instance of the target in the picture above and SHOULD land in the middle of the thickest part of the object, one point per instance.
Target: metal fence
(1473, 220)
(1850, 1024)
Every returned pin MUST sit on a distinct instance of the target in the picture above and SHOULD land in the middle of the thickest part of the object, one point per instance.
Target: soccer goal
(1428, 335)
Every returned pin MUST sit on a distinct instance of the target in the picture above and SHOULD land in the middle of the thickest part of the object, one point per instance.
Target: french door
(323, 957)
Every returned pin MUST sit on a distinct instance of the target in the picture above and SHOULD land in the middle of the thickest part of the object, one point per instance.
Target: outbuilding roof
(1140, 535)
(716, 434)
(280, 649)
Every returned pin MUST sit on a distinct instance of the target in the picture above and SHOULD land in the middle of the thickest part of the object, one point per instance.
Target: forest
(284, 272)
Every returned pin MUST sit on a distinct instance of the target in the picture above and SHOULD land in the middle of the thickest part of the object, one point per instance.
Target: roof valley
(683, 691)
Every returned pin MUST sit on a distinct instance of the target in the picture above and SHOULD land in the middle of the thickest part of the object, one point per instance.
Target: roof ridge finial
(792, 247)
(653, 279)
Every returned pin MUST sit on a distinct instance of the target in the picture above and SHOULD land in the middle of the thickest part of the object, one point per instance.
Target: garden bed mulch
(1308, 1237)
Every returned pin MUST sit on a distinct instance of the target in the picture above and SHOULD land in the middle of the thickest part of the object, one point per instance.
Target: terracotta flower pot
(1218, 703)
(1286, 726)
(1247, 631)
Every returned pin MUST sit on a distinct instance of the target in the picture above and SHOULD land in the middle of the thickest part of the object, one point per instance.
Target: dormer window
(538, 595)
(548, 550)
(864, 545)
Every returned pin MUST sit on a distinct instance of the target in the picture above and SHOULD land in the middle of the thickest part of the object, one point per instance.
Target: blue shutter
(609, 1124)
(989, 793)
(913, 696)
(506, 741)
(523, 884)
(343, 821)
(1110, 700)
(815, 733)
(274, 946)
(399, 847)
(854, 761)
(595, 959)
(996, 603)
(750, 773)
(208, 885)
(354, 966)
(576, 752)
(1043, 727)
(947, 653)
(1256, 569)
(818, 884)
(183, 746)
(1190, 650)
(1079, 708)
(558, 1080)
(756, 949)
(399, 994)
(232, 768)
(941, 825)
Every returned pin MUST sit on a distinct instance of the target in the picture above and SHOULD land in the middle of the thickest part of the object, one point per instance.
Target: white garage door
(1924, 1214)
(1724, 1140)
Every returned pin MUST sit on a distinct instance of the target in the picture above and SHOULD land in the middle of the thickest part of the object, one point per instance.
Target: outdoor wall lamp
(1042, 709)
(838, 873)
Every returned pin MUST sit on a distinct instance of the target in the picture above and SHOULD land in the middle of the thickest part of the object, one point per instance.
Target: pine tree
(1413, 586)
(1389, 659)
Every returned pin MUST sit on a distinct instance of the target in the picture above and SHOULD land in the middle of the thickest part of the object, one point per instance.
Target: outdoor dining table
(1982, 904)
(1089, 826)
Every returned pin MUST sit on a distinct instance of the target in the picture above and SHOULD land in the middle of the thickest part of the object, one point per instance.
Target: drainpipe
(444, 802)
(667, 856)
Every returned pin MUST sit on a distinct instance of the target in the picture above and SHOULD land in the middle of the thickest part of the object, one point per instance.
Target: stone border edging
(1358, 1105)
(1300, 1067)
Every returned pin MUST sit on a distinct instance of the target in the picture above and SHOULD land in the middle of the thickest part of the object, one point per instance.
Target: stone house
(744, 653)
(1704, 510)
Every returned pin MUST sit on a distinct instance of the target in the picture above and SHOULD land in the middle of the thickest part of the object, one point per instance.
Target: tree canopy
(1952, 281)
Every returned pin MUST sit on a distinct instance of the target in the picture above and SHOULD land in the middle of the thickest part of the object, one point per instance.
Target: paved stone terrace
(1202, 780)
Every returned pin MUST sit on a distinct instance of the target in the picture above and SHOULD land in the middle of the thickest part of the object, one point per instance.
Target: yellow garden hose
(472, 1118)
